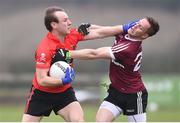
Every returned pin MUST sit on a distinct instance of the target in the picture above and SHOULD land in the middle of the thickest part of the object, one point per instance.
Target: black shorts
(42, 103)
(131, 104)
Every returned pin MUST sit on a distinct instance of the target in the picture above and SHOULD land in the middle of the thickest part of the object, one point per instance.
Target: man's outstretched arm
(103, 31)
(85, 54)
(95, 31)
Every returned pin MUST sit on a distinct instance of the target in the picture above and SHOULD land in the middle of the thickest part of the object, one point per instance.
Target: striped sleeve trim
(111, 53)
(120, 47)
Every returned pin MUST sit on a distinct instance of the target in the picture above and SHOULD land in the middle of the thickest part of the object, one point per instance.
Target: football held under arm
(45, 80)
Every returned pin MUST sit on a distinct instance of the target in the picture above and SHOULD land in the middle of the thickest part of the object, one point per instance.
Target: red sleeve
(73, 38)
(43, 58)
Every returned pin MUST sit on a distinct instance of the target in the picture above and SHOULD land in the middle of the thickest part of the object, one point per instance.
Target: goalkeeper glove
(69, 76)
(127, 26)
(84, 28)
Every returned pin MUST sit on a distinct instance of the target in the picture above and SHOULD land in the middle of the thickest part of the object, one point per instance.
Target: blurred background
(22, 28)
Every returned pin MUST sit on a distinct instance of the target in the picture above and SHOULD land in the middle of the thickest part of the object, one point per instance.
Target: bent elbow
(41, 82)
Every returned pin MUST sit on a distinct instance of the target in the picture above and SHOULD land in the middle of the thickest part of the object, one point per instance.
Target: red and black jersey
(124, 67)
(47, 49)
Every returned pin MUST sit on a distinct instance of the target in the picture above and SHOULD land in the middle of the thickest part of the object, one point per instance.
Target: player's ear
(53, 24)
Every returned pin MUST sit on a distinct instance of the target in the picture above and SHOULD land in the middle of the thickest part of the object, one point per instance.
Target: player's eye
(141, 27)
(65, 19)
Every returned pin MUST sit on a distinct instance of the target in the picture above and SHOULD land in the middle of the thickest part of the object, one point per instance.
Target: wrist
(125, 28)
(65, 81)
(68, 55)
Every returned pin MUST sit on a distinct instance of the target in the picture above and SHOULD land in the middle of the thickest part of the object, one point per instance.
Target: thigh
(111, 107)
(38, 104)
(107, 112)
(30, 118)
(68, 107)
(64, 99)
(72, 112)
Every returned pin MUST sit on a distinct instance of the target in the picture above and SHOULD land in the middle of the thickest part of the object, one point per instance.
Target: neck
(134, 38)
(60, 37)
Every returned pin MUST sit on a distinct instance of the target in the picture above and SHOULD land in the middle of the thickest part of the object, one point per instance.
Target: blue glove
(69, 76)
(126, 27)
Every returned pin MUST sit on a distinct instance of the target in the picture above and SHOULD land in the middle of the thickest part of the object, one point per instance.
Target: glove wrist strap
(68, 56)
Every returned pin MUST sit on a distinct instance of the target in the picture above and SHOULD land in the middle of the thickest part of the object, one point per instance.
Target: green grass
(14, 113)
(167, 98)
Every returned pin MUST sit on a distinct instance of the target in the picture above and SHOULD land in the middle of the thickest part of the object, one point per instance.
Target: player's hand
(84, 28)
(62, 55)
(69, 76)
(127, 26)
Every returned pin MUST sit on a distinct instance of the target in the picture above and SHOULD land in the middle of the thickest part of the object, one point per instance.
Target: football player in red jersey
(127, 93)
(47, 93)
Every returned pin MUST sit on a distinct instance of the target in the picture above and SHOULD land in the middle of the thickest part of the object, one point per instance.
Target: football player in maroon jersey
(127, 93)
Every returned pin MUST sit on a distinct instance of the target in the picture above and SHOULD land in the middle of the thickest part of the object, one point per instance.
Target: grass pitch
(13, 113)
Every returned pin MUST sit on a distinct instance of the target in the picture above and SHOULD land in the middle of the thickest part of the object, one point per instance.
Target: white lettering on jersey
(138, 60)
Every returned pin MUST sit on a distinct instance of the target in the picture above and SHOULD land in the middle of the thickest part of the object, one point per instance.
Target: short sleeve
(73, 38)
(76, 34)
(119, 51)
(43, 59)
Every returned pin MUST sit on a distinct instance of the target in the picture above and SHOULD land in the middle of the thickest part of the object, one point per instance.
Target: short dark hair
(154, 26)
(50, 17)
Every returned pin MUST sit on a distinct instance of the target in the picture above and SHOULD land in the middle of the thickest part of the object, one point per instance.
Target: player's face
(64, 25)
(139, 30)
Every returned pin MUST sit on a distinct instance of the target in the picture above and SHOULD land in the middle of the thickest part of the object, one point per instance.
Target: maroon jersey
(124, 67)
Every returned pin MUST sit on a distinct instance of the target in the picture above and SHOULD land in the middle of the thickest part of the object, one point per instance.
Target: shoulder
(44, 47)
(73, 32)
(76, 34)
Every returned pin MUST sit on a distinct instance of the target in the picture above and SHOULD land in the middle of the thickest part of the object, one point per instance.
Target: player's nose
(69, 22)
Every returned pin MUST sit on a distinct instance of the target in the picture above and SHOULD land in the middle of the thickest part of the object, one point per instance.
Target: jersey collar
(53, 37)
(131, 39)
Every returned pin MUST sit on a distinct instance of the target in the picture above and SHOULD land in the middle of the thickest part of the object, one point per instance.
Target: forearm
(95, 31)
(45, 80)
(103, 32)
(50, 82)
(110, 30)
(93, 26)
(100, 53)
(83, 54)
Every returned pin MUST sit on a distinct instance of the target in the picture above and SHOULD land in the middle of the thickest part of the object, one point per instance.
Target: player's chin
(68, 31)
(130, 32)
